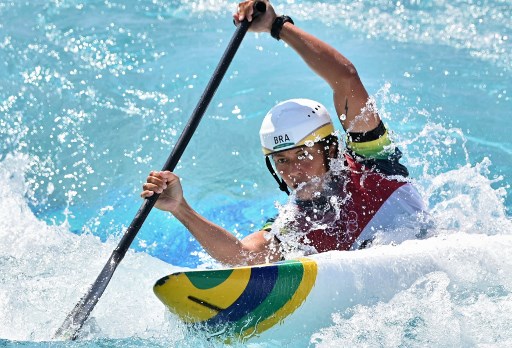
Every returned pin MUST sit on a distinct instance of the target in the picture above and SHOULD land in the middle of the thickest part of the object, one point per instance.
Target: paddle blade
(75, 320)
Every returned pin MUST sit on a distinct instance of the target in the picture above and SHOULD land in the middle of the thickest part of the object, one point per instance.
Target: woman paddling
(341, 200)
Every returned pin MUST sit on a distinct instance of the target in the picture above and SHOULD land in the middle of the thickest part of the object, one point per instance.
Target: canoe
(299, 297)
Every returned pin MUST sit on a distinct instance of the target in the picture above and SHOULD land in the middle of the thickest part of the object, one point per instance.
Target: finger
(165, 177)
(250, 12)
(152, 187)
(170, 177)
(238, 15)
(242, 10)
(149, 187)
(146, 194)
(167, 174)
(236, 22)
(156, 174)
(156, 180)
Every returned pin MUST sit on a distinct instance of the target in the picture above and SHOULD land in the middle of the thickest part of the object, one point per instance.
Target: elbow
(350, 69)
(349, 73)
(345, 75)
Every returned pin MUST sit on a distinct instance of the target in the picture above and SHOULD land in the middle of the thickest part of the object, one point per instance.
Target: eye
(304, 155)
(280, 160)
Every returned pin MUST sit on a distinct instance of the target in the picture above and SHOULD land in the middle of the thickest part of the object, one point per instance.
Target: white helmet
(294, 123)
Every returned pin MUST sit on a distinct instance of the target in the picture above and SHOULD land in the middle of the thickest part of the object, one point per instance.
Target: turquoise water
(95, 94)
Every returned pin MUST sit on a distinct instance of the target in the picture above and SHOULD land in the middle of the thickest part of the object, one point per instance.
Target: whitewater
(95, 94)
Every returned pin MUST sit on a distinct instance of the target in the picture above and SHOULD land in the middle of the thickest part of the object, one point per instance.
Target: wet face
(302, 168)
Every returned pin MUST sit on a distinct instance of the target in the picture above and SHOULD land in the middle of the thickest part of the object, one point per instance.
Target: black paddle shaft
(75, 320)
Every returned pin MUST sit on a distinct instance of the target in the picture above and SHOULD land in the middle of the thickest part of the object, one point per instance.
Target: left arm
(350, 96)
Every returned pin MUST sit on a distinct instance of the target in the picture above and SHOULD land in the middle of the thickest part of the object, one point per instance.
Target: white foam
(456, 291)
(46, 269)
(410, 293)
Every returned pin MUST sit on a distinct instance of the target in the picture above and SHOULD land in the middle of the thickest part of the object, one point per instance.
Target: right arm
(218, 242)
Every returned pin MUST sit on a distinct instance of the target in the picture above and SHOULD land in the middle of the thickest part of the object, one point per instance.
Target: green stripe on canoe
(289, 277)
(208, 279)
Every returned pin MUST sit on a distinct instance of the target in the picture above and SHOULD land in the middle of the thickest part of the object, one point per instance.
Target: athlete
(340, 199)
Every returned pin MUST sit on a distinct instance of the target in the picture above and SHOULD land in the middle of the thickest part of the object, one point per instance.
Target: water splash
(94, 92)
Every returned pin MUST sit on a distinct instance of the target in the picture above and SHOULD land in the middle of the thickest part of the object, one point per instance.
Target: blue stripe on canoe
(261, 283)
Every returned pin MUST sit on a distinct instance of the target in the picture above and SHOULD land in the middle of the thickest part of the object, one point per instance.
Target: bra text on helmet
(281, 139)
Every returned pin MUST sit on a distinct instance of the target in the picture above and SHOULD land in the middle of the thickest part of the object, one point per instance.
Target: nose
(295, 175)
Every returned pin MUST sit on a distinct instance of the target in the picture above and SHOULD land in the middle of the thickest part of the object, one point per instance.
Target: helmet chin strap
(282, 185)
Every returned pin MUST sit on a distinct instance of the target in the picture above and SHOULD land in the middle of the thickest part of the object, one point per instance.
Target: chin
(308, 193)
